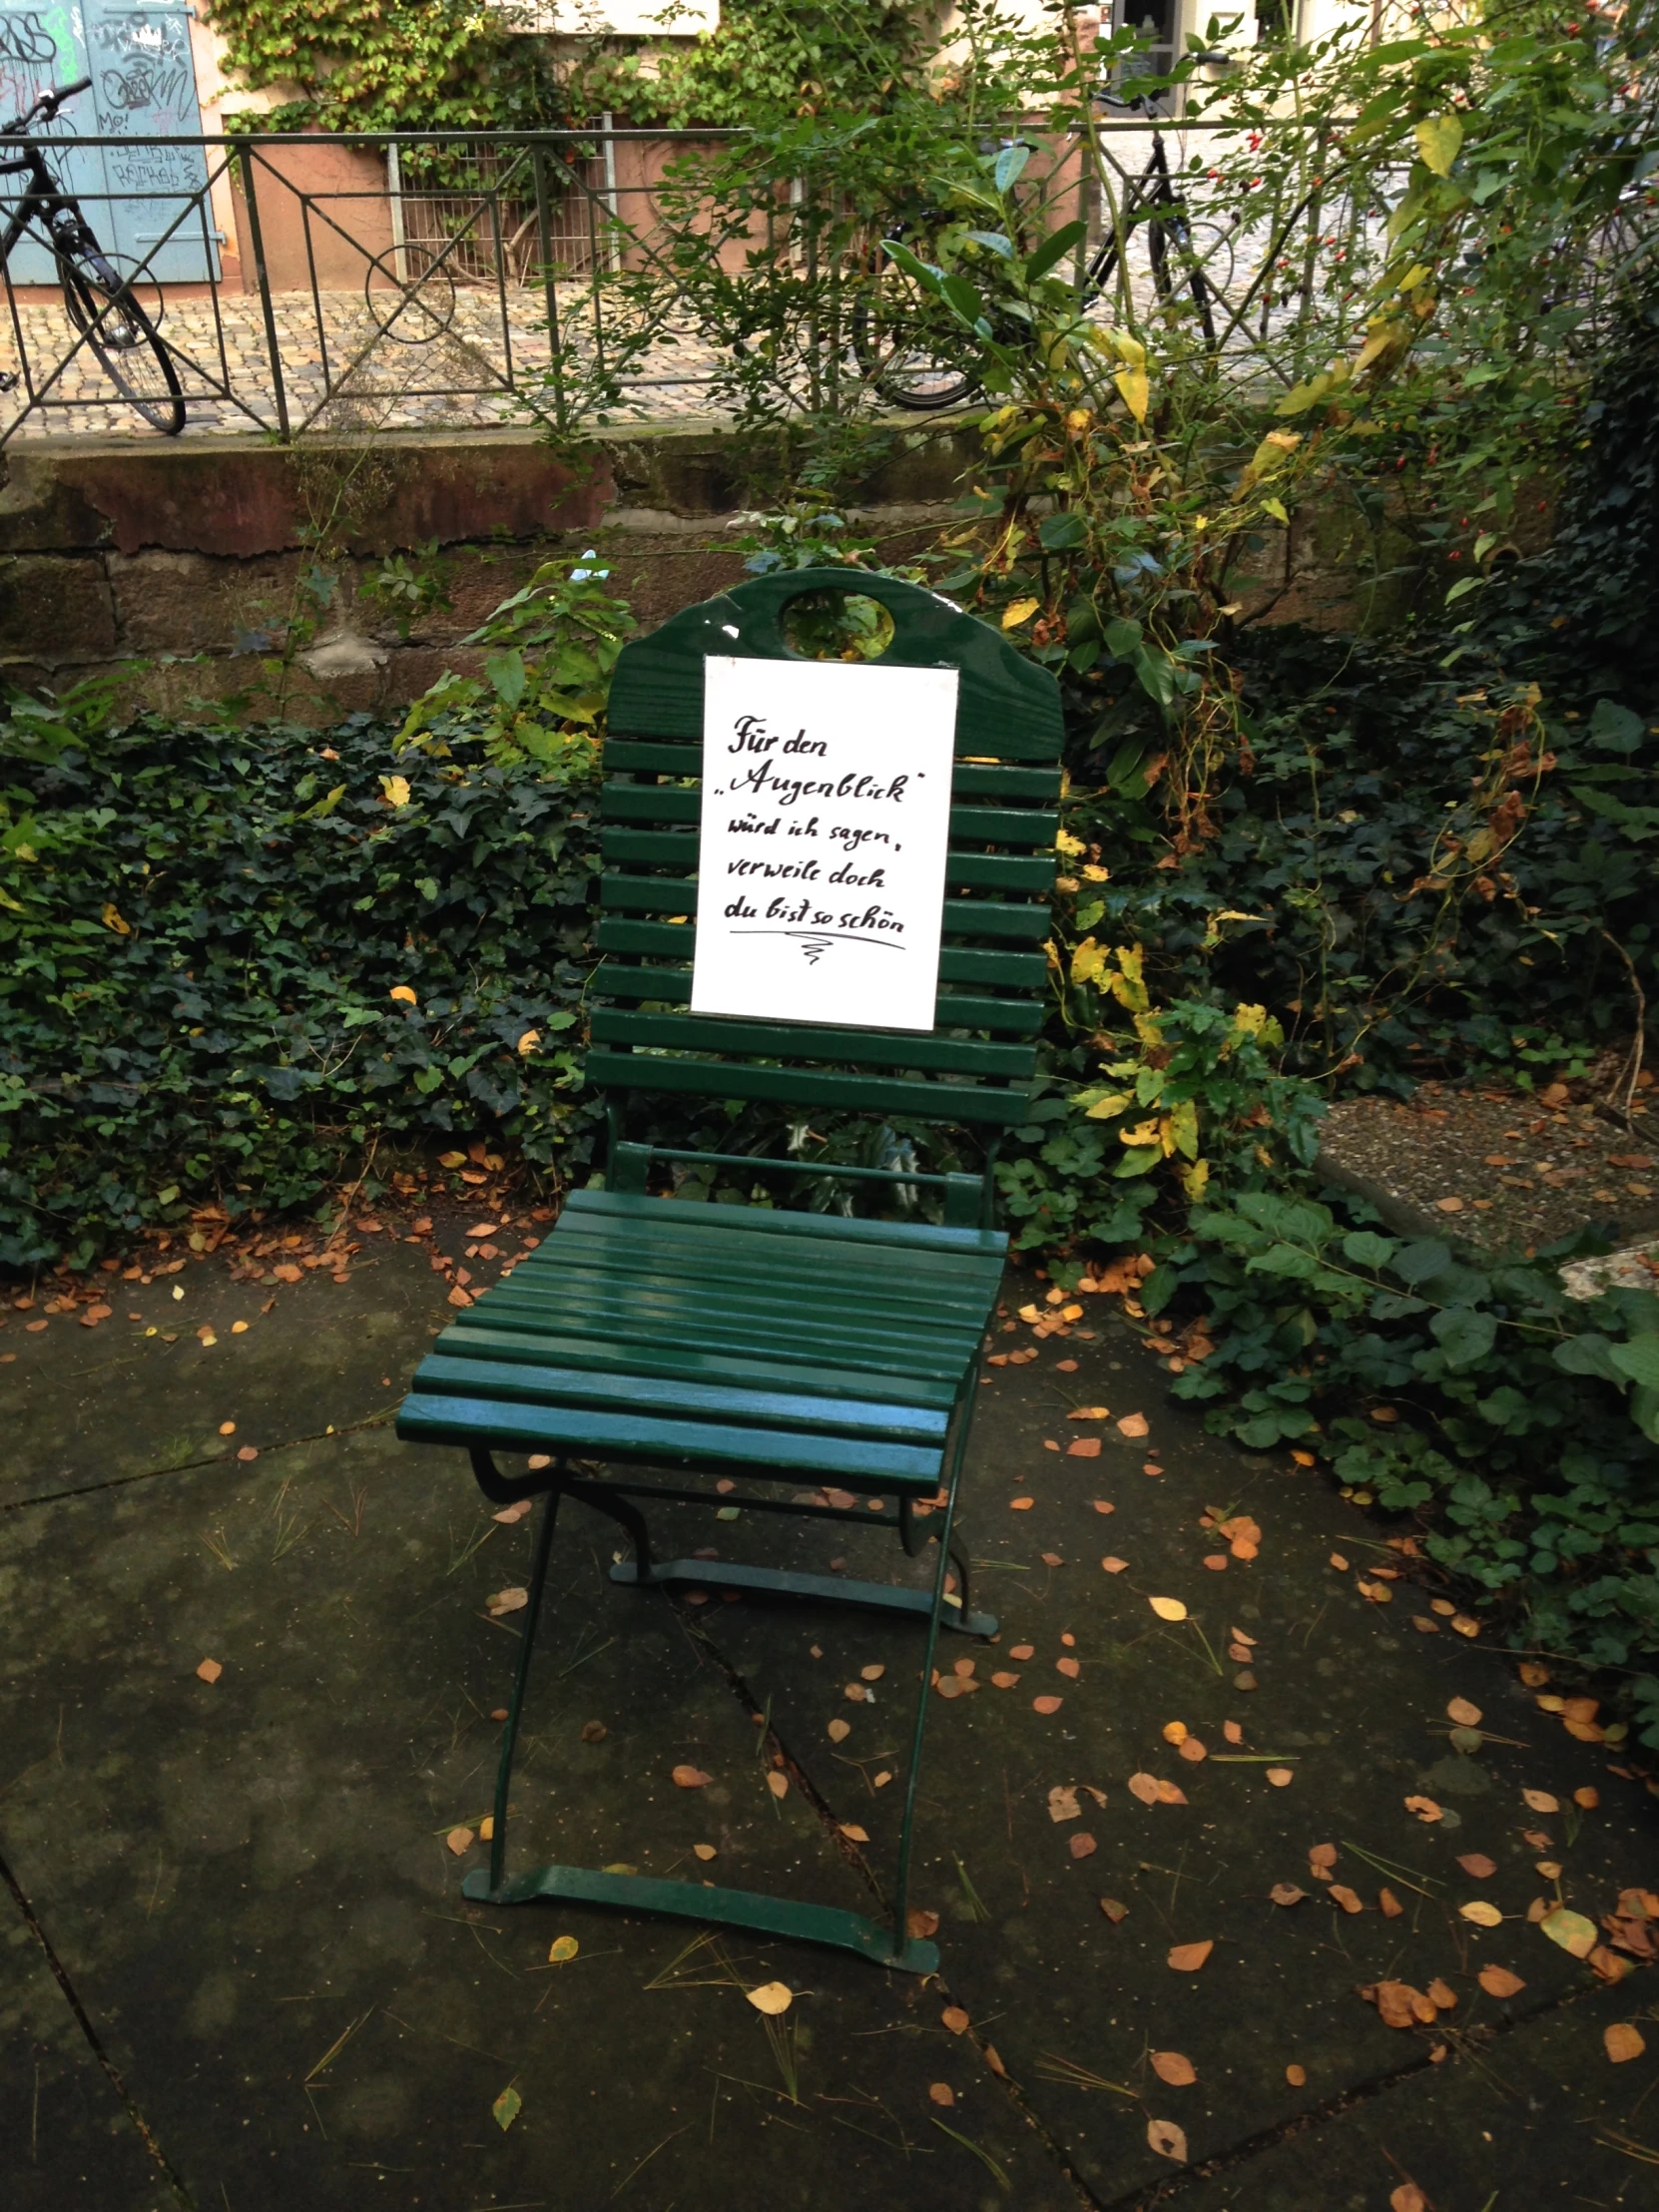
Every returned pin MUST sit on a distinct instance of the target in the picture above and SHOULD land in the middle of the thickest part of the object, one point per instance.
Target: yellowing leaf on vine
(111, 918)
(1416, 274)
(1439, 137)
(1384, 335)
(1018, 611)
(1195, 1181)
(1065, 842)
(1128, 986)
(1105, 1106)
(1183, 1128)
(1135, 390)
(1144, 1133)
(1089, 962)
(1278, 510)
(1128, 350)
(397, 790)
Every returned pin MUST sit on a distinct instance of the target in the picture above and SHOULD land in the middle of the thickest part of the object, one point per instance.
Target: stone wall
(182, 565)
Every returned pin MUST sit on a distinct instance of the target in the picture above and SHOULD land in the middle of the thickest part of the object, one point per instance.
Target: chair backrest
(978, 1064)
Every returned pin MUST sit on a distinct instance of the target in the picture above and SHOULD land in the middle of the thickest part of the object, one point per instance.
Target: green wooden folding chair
(654, 1333)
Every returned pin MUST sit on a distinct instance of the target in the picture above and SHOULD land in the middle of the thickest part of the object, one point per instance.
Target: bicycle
(893, 334)
(99, 300)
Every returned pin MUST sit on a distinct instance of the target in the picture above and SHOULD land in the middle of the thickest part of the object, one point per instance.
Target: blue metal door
(144, 87)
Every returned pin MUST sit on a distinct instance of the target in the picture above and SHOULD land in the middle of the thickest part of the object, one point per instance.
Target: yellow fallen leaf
(1018, 611)
(1168, 1608)
(1623, 2041)
(528, 1042)
(564, 1946)
(1481, 1914)
(111, 918)
(1090, 1412)
(1540, 1800)
(771, 1997)
(705, 1852)
(403, 991)
(397, 790)
(1571, 1931)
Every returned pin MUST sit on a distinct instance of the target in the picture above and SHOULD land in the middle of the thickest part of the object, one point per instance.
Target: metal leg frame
(815, 1924)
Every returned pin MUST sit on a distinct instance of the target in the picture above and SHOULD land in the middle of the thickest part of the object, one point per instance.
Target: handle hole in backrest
(835, 625)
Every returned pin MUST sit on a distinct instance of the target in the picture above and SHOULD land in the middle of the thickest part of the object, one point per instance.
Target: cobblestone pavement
(347, 362)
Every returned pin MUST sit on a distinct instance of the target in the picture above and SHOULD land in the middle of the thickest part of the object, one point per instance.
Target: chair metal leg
(906, 1833)
(509, 1735)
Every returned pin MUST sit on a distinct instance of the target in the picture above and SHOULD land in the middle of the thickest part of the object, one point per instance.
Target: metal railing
(586, 276)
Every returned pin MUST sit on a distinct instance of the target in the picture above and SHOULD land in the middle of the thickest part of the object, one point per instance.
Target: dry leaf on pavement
(1623, 2041)
(1498, 1981)
(1287, 1892)
(563, 1947)
(1346, 1897)
(1476, 1863)
(1480, 1913)
(1571, 1931)
(771, 1997)
(955, 2020)
(689, 1777)
(1389, 1905)
(1540, 1800)
(1463, 1713)
(1062, 1803)
(942, 2093)
(1173, 2067)
(1047, 1704)
(1187, 1957)
(209, 1670)
(1407, 2198)
(1168, 1608)
(1168, 2140)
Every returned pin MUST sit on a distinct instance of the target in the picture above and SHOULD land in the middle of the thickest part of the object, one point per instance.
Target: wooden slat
(1032, 828)
(1020, 971)
(568, 1344)
(995, 871)
(1013, 1063)
(964, 918)
(430, 1418)
(970, 778)
(951, 1010)
(535, 1384)
(855, 1094)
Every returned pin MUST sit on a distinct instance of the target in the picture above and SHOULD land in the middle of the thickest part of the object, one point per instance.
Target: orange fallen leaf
(1062, 1803)
(1168, 2140)
(1296, 2076)
(1233, 1732)
(1070, 1668)
(1338, 1563)
(1174, 2067)
(771, 1997)
(955, 2020)
(705, 1852)
(1083, 1845)
(515, 1513)
(778, 1784)
(1481, 1913)
(507, 1601)
(1131, 1425)
(853, 1833)
(1346, 1897)
(1083, 1447)
(1389, 1905)
(1322, 1856)
(1540, 1800)
(246, 1453)
(1442, 1995)
(1498, 1981)
(1052, 1559)
(1425, 1808)
(1476, 1863)
(1216, 1561)
(1022, 1651)
(1047, 1704)
(1187, 1957)
(459, 1840)
(1287, 1892)
(689, 1777)
(919, 1922)
(1090, 1412)
(1463, 1713)
(1104, 1505)
(209, 1670)
(1589, 1796)
(1533, 1675)
(1114, 1565)
(1623, 2041)
(1003, 1681)
(871, 1673)
(942, 2093)
(1281, 1777)
(839, 1730)
(1114, 1909)
(1021, 1504)
(1408, 2197)
(1400, 2005)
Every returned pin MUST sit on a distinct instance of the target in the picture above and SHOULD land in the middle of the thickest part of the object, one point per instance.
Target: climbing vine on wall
(387, 65)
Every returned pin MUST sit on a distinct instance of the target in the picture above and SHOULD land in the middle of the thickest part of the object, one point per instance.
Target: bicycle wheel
(901, 345)
(124, 341)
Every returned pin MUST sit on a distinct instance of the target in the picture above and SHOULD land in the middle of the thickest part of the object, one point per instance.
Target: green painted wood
(970, 778)
(795, 1921)
(842, 1316)
(1031, 828)
(966, 918)
(1021, 971)
(867, 1094)
(653, 1442)
(442, 1374)
(1032, 873)
(1015, 1063)
(951, 1010)
(473, 1336)
(1009, 708)
(902, 1236)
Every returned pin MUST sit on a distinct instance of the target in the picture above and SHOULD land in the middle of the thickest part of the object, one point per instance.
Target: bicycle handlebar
(46, 107)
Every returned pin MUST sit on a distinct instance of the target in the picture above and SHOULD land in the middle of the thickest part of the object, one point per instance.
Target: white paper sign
(826, 821)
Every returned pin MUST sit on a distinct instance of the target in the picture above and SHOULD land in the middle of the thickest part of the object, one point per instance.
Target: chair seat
(734, 1338)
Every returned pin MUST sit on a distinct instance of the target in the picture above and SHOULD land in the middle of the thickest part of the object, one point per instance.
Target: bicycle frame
(56, 212)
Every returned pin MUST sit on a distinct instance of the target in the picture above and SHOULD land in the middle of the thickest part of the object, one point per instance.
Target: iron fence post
(544, 242)
(268, 310)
